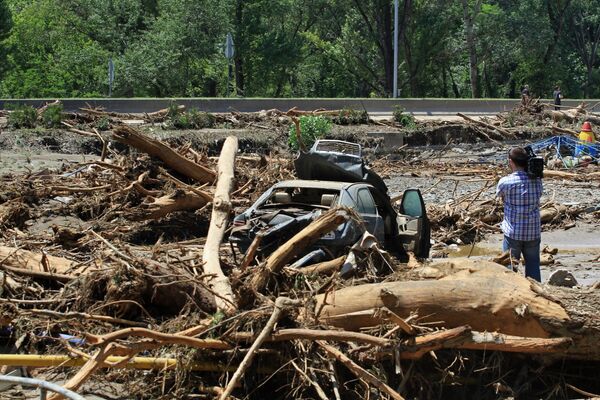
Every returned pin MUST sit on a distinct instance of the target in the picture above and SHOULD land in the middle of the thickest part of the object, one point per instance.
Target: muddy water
(578, 250)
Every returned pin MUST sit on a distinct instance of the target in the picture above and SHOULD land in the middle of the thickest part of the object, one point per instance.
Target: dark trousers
(531, 252)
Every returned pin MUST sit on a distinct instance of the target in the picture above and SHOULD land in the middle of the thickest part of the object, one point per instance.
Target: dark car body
(334, 175)
(289, 206)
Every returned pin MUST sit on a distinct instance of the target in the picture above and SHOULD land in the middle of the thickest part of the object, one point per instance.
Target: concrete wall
(416, 106)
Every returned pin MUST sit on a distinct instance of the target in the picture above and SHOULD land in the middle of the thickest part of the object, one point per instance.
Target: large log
(463, 337)
(484, 295)
(39, 265)
(307, 236)
(156, 148)
(570, 115)
(180, 200)
(579, 176)
(218, 224)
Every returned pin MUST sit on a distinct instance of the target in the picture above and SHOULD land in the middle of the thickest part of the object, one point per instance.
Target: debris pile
(122, 262)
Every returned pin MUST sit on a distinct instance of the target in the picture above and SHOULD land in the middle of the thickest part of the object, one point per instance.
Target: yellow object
(35, 360)
(587, 136)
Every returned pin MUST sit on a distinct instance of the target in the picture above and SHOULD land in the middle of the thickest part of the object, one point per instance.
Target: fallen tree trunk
(218, 224)
(154, 116)
(570, 115)
(180, 200)
(156, 148)
(307, 236)
(550, 173)
(484, 295)
(39, 265)
(463, 337)
(325, 267)
(503, 131)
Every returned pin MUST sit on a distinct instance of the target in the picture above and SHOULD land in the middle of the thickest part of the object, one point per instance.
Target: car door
(368, 211)
(413, 224)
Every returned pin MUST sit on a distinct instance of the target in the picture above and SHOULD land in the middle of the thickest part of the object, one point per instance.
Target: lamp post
(229, 52)
(111, 76)
(395, 94)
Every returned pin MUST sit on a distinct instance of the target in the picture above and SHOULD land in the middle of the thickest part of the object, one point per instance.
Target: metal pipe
(42, 385)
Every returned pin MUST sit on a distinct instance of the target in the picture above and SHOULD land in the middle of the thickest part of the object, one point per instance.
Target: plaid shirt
(521, 195)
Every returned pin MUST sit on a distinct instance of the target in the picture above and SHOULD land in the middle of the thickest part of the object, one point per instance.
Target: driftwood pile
(264, 119)
(123, 262)
(532, 116)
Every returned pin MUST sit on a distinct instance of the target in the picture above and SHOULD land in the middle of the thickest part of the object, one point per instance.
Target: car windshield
(304, 197)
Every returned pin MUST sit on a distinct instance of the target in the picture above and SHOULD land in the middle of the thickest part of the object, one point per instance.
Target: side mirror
(412, 204)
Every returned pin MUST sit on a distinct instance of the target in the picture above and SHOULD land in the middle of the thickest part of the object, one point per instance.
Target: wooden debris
(141, 265)
(156, 148)
(313, 232)
(218, 224)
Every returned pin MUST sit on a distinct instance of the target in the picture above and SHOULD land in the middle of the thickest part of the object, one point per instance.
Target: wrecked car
(289, 206)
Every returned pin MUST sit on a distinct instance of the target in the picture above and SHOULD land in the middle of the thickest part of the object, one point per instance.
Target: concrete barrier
(374, 106)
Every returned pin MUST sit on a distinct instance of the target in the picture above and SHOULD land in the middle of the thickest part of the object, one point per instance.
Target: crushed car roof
(301, 183)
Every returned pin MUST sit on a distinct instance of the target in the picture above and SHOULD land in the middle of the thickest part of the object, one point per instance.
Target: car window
(411, 204)
(366, 205)
(346, 200)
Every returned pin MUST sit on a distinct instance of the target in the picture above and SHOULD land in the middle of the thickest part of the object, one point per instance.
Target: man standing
(557, 96)
(525, 95)
(521, 225)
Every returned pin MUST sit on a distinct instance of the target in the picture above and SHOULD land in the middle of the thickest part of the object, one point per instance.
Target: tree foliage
(304, 48)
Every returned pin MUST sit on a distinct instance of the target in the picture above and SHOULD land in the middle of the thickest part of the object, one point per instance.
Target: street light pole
(395, 94)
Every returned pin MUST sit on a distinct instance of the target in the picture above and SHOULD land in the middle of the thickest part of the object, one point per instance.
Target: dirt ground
(578, 246)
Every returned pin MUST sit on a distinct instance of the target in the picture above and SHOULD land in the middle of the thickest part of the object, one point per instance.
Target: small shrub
(192, 119)
(103, 123)
(181, 121)
(52, 116)
(349, 116)
(511, 118)
(311, 129)
(201, 120)
(22, 116)
(172, 110)
(403, 118)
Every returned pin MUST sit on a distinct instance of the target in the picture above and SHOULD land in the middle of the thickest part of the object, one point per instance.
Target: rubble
(562, 278)
(146, 280)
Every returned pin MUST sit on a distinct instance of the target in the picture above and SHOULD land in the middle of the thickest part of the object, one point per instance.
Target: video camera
(535, 164)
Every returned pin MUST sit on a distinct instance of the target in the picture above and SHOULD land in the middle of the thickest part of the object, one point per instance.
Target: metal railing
(42, 385)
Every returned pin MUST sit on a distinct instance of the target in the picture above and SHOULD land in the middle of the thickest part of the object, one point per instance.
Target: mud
(578, 251)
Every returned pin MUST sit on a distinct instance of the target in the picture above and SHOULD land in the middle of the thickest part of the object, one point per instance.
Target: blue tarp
(565, 146)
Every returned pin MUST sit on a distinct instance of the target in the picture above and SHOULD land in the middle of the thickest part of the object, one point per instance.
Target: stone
(563, 278)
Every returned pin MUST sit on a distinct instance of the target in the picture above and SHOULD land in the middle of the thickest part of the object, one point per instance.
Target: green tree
(5, 27)
(584, 37)
(47, 57)
(5, 19)
(179, 55)
(271, 44)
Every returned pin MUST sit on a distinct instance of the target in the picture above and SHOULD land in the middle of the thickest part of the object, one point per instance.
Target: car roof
(301, 183)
